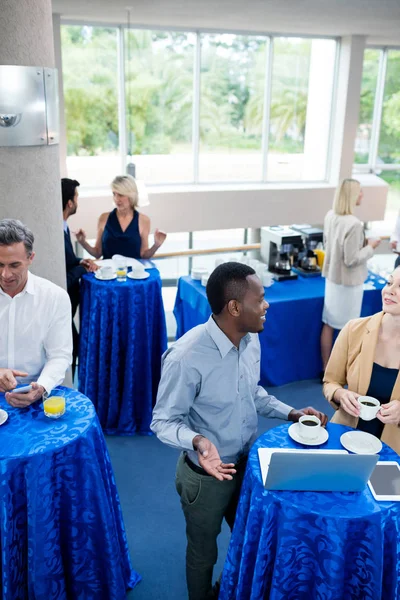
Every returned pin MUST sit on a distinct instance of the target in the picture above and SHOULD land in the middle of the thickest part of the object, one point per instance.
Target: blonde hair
(126, 186)
(346, 197)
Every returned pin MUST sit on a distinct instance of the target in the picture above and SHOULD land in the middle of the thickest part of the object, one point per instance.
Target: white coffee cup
(367, 413)
(307, 431)
(106, 271)
(137, 272)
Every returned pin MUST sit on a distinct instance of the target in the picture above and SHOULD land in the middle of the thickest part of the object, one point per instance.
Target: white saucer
(143, 275)
(293, 431)
(99, 276)
(3, 416)
(360, 442)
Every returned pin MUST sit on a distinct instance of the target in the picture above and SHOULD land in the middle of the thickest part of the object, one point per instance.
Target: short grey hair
(15, 232)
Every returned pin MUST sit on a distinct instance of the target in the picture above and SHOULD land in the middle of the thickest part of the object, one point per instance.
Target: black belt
(241, 461)
(195, 467)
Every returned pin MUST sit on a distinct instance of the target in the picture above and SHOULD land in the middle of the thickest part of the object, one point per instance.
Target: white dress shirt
(35, 332)
(210, 387)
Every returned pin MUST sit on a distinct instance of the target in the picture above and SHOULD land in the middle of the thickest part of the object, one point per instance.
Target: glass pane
(173, 268)
(159, 101)
(222, 238)
(89, 56)
(389, 140)
(301, 98)
(367, 101)
(393, 199)
(231, 107)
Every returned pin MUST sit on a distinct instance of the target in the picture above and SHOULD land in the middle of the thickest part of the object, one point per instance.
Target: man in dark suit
(75, 267)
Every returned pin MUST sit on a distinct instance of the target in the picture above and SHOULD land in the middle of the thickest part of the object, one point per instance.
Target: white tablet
(384, 482)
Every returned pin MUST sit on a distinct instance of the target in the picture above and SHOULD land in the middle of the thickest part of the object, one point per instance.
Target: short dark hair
(68, 187)
(15, 232)
(227, 282)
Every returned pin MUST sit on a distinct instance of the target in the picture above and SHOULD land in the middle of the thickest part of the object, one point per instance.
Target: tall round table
(122, 338)
(311, 545)
(62, 534)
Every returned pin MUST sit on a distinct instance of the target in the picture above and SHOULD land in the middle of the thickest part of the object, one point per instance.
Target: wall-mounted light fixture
(29, 106)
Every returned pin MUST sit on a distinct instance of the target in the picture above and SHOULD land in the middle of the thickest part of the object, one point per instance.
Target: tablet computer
(384, 482)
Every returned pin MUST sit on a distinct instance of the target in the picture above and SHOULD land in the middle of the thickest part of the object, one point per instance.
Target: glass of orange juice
(54, 406)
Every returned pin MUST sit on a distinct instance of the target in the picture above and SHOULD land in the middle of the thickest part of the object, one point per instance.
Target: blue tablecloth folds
(122, 338)
(62, 532)
(309, 545)
(290, 342)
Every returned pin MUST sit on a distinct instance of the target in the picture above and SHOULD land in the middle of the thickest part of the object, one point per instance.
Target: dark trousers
(205, 503)
(74, 296)
(397, 263)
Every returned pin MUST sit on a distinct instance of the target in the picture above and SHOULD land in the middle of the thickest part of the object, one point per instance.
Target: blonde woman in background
(124, 230)
(345, 265)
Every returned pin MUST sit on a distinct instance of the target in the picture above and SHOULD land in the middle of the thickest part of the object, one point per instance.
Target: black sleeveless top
(380, 387)
(116, 241)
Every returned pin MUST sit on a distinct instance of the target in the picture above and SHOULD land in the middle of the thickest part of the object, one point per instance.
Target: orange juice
(320, 257)
(54, 407)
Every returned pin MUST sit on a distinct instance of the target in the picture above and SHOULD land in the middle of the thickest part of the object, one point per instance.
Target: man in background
(35, 321)
(207, 406)
(75, 267)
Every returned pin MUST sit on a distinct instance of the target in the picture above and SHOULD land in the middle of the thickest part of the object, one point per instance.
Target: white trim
(122, 146)
(267, 107)
(196, 108)
(378, 107)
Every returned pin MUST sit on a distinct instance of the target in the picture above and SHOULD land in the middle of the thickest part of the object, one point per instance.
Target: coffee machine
(279, 245)
(306, 263)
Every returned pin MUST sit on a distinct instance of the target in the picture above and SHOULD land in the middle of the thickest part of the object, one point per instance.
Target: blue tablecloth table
(61, 529)
(122, 338)
(290, 342)
(309, 545)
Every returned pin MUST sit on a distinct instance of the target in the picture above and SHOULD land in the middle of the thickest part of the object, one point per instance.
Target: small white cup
(306, 430)
(367, 413)
(106, 271)
(137, 272)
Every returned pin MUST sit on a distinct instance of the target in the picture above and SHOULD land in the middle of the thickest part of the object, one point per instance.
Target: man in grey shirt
(207, 406)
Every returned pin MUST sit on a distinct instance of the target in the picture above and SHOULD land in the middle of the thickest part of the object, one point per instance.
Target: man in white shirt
(35, 321)
(395, 241)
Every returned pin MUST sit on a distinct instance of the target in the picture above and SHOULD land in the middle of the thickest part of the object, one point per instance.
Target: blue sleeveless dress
(116, 241)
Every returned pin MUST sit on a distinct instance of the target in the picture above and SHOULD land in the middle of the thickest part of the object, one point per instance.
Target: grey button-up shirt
(210, 387)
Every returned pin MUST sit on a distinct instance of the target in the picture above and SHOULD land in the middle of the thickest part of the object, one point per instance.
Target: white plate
(3, 416)
(361, 442)
(293, 431)
(100, 276)
(144, 275)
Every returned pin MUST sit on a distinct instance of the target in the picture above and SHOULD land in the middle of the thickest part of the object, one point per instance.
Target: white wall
(198, 208)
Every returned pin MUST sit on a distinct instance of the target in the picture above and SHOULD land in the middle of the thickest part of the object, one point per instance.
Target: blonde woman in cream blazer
(345, 264)
(364, 350)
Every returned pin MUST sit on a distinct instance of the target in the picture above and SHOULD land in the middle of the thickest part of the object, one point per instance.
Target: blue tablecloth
(311, 545)
(61, 529)
(290, 342)
(122, 338)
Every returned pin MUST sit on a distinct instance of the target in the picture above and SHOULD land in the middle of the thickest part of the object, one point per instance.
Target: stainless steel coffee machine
(279, 245)
(306, 263)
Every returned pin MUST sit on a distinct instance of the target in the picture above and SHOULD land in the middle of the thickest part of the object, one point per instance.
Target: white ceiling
(377, 19)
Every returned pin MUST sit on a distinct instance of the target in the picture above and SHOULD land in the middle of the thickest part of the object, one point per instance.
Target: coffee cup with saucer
(368, 407)
(105, 272)
(308, 431)
(138, 273)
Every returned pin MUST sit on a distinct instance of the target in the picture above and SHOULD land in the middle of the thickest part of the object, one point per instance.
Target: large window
(89, 56)
(196, 107)
(301, 99)
(367, 102)
(389, 139)
(159, 102)
(231, 107)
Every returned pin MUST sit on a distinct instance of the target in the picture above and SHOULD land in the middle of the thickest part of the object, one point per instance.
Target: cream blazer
(351, 363)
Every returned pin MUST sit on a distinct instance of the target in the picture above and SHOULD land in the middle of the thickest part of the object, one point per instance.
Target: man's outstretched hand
(210, 460)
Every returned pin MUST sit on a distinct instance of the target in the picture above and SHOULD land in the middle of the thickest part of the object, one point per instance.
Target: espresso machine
(306, 263)
(279, 245)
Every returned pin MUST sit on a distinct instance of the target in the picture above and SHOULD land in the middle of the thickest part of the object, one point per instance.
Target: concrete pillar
(30, 175)
(347, 106)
